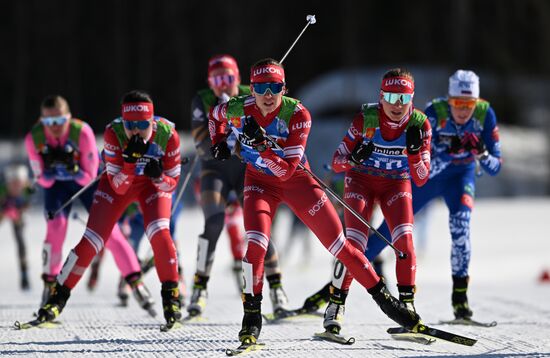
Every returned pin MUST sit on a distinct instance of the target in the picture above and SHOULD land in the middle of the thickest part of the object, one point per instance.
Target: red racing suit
(385, 179)
(124, 183)
(273, 177)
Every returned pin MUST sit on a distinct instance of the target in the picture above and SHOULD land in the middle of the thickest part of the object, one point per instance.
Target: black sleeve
(199, 129)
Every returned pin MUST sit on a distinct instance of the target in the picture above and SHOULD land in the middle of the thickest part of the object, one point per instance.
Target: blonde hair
(55, 101)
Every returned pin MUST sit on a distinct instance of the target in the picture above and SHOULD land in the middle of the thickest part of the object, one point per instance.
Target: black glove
(414, 139)
(253, 132)
(361, 152)
(135, 149)
(220, 151)
(48, 155)
(456, 145)
(66, 156)
(153, 169)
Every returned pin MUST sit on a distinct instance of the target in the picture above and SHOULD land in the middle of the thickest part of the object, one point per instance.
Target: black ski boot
(170, 302)
(198, 296)
(393, 308)
(252, 319)
(406, 295)
(334, 314)
(459, 298)
(122, 292)
(49, 288)
(279, 299)
(316, 301)
(55, 304)
(140, 292)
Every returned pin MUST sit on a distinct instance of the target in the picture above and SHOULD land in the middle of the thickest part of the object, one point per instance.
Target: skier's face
(395, 112)
(224, 80)
(56, 130)
(462, 108)
(268, 102)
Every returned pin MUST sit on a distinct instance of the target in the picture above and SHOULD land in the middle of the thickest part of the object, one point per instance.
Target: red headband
(137, 111)
(223, 61)
(267, 73)
(397, 85)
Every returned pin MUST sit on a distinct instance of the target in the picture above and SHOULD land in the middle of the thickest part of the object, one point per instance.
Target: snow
(510, 248)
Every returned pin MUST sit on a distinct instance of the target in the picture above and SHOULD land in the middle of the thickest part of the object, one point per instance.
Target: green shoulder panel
(235, 107)
(163, 134)
(74, 130)
(417, 119)
(38, 136)
(480, 112)
(208, 99)
(118, 128)
(370, 116)
(244, 90)
(441, 107)
(287, 108)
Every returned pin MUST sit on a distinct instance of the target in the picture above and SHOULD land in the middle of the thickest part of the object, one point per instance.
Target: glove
(220, 151)
(135, 149)
(456, 146)
(253, 132)
(66, 156)
(361, 152)
(48, 157)
(414, 139)
(153, 169)
(473, 144)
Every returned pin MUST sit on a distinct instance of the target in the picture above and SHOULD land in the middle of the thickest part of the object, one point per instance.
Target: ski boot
(238, 274)
(393, 308)
(334, 314)
(49, 287)
(252, 319)
(279, 299)
(199, 296)
(122, 292)
(55, 303)
(170, 303)
(317, 300)
(141, 293)
(406, 295)
(459, 299)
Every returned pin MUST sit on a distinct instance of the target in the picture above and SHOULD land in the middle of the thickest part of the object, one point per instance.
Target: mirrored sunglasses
(274, 88)
(51, 121)
(392, 98)
(141, 125)
(221, 80)
(469, 103)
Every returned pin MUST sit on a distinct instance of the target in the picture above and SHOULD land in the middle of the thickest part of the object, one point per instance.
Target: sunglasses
(274, 88)
(141, 125)
(54, 121)
(392, 98)
(221, 80)
(469, 103)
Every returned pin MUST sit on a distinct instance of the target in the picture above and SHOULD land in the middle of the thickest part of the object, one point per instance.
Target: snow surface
(510, 249)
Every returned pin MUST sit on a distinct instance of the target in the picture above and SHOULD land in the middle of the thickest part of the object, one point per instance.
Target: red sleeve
(171, 165)
(217, 122)
(120, 174)
(340, 162)
(294, 147)
(419, 163)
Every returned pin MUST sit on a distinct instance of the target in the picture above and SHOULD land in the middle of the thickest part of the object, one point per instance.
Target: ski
(402, 334)
(469, 322)
(431, 333)
(194, 319)
(35, 323)
(332, 337)
(246, 347)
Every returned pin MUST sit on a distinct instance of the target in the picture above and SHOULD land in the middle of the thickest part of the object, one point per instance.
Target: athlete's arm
(340, 161)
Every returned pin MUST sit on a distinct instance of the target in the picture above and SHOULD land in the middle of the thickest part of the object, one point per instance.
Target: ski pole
(327, 189)
(185, 182)
(310, 21)
(51, 214)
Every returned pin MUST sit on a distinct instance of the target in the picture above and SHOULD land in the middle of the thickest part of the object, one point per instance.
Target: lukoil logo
(135, 108)
(398, 82)
(263, 70)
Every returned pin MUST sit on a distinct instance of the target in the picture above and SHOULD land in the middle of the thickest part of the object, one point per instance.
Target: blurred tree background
(93, 51)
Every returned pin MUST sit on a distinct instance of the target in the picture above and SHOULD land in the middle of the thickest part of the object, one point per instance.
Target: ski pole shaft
(51, 214)
(310, 21)
(327, 189)
(185, 182)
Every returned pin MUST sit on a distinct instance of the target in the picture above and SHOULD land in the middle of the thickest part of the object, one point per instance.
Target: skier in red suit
(142, 152)
(273, 177)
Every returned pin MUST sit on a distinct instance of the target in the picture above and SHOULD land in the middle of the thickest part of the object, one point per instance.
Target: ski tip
(17, 325)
